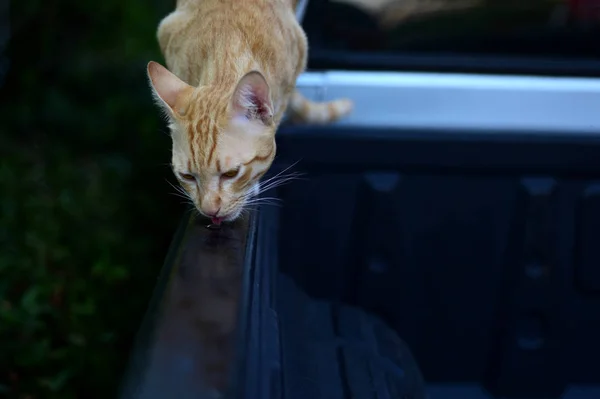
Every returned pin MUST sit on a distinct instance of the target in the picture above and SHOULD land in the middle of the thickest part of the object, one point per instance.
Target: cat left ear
(252, 98)
(168, 87)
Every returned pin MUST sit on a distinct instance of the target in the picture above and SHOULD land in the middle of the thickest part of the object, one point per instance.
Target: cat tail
(305, 111)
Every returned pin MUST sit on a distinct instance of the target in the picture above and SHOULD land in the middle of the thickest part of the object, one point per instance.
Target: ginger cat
(233, 68)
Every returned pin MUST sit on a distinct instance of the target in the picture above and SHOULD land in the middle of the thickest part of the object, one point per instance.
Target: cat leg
(302, 110)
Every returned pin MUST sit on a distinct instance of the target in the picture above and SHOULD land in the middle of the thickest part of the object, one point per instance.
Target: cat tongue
(216, 221)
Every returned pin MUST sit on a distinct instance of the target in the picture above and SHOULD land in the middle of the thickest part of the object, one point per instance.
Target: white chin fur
(232, 216)
(255, 190)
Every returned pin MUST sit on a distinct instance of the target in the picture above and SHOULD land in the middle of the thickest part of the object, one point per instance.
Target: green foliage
(85, 214)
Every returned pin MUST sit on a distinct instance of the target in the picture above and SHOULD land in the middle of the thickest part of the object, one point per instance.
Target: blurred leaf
(80, 140)
(58, 381)
(30, 300)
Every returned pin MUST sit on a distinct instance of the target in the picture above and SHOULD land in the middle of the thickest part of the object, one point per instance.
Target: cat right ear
(168, 88)
(252, 98)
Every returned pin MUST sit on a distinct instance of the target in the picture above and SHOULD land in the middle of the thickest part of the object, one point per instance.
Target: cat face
(221, 175)
(223, 143)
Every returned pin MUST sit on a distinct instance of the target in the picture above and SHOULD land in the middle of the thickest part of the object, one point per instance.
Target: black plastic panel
(294, 345)
(479, 250)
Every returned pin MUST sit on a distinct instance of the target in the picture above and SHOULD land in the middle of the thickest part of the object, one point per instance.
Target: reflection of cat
(398, 12)
(233, 68)
(195, 339)
(390, 13)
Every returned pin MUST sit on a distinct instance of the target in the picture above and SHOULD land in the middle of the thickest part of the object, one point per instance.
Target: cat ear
(252, 98)
(167, 87)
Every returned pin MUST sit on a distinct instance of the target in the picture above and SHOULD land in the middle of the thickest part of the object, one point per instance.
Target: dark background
(86, 213)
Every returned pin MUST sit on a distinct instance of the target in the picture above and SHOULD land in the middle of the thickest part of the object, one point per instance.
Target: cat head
(223, 139)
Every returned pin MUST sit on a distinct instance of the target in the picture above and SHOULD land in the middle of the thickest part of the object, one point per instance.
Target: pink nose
(211, 211)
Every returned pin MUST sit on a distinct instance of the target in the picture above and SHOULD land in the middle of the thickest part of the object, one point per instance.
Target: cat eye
(187, 176)
(231, 173)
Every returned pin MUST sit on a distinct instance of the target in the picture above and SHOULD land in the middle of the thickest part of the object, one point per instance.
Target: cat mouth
(216, 220)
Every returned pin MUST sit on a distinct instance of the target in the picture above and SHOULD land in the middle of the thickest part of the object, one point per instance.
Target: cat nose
(212, 212)
(210, 206)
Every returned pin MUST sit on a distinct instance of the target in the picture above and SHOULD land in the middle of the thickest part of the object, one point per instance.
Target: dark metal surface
(186, 345)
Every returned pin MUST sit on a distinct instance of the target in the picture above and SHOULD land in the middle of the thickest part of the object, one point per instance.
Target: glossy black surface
(187, 345)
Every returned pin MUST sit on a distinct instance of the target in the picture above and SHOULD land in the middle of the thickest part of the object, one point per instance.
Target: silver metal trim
(461, 101)
(301, 9)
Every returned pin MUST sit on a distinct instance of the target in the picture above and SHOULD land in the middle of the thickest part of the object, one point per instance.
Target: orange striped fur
(231, 72)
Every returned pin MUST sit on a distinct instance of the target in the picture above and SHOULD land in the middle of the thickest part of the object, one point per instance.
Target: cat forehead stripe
(259, 158)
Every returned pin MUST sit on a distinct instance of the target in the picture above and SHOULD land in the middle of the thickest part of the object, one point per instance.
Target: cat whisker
(258, 205)
(181, 193)
(263, 200)
(267, 183)
(254, 203)
(165, 132)
(292, 175)
(282, 172)
(268, 198)
(178, 188)
(181, 196)
(277, 183)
